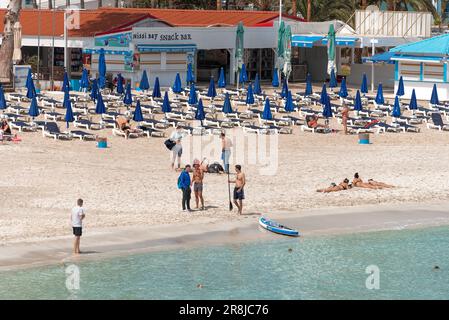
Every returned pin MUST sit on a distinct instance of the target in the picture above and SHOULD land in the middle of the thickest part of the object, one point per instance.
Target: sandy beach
(130, 184)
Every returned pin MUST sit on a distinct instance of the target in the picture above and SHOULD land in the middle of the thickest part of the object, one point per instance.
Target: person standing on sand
(184, 185)
(77, 216)
(226, 145)
(176, 136)
(239, 194)
(197, 183)
(345, 117)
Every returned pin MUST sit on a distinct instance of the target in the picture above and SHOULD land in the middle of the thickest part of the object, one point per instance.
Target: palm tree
(7, 46)
(309, 10)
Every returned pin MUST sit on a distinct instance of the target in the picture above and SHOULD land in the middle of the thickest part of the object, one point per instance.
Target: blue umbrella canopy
(266, 114)
(66, 97)
(144, 83)
(137, 115)
(400, 91)
(250, 95)
(309, 89)
(199, 113)
(189, 76)
(289, 105)
(68, 108)
(380, 95)
(227, 108)
(120, 89)
(100, 108)
(257, 88)
(413, 103)
(94, 90)
(434, 98)
(284, 90)
(84, 82)
(31, 91)
(101, 69)
(65, 82)
(177, 86)
(358, 102)
(128, 98)
(166, 103)
(333, 80)
(396, 108)
(343, 93)
(364, 86)
(327, 109)
(222, 79)
(3, 104)
(211, 92)
(33, 111)
(193, 99)
(243, 76)
(157, 89)
(275, 81)
(324, 96)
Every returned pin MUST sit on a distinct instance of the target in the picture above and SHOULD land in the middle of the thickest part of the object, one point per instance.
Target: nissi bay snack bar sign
(163, 37)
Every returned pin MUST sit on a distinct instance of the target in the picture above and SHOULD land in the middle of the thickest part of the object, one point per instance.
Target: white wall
(423, 90)
(383, 73)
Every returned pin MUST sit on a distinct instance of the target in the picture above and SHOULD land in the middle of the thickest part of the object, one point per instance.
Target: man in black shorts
(239, 193)
(77, 224)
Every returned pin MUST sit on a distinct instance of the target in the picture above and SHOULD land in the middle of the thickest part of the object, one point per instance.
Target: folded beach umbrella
(434, 98)
(120, 89)
(284, 90)
(100, 108)
(289, 105)
(249, 94)
(400, 91)
(309, 89)
(380, 95)
(31, 91)
(189, 76)
(327, 109)
(358, 102)
(177, 86)
(413, 103)
(166, 104)
(128, 98)
(65, 82)
(94, 90)
(66, 97)
(211, 92)
(144, 83)
(33, 111)
(227, 108)
(243, 77)
(101, 69)
(257, 89)
(266, 114)
(193, 99)
(364, 86)
(84, 82)
(199, 113)
(157, 89)
(3, 104)
(343, 93)
(68, 109)
(137, 115)
(324, 95)
(222, 79)
(333, 80)
(396, 108)
(275, 81)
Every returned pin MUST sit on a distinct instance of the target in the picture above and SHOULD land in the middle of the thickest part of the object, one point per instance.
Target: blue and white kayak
(275, 227)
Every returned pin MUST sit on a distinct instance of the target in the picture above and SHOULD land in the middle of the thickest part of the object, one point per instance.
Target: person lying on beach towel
(371, 184)
(344, 185)
(379, 184)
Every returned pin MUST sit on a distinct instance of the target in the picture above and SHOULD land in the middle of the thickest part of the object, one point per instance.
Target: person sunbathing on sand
(124, 125)
(312, 122)
(357, 182)
(335, 188)
(379, 184)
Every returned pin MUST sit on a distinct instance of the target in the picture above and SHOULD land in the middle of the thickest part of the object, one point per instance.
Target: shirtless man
(124, 125)
(345, 116)
(239, 193)
(357, 182)
(344, 185)
(197, 183)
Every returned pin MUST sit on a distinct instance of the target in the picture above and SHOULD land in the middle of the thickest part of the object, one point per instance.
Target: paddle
(229, 191)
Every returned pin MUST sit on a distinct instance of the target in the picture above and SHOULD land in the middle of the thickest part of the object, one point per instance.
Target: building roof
(438, 45)
(103, 20)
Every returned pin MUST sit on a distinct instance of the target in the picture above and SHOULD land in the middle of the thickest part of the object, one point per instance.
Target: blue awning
(343, 41)
(384, 57)
(112, 52)
(405, 57)
(305, 41)
(166, 48)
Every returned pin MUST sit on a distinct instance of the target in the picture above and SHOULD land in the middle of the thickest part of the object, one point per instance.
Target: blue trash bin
(364, 138)
(75, 84)
(102, 143)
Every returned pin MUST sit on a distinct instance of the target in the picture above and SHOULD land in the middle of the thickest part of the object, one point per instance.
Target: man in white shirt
(77, 225)
(176, 136)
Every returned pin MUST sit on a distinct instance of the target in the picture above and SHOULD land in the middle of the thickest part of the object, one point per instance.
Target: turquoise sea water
(325, 267)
